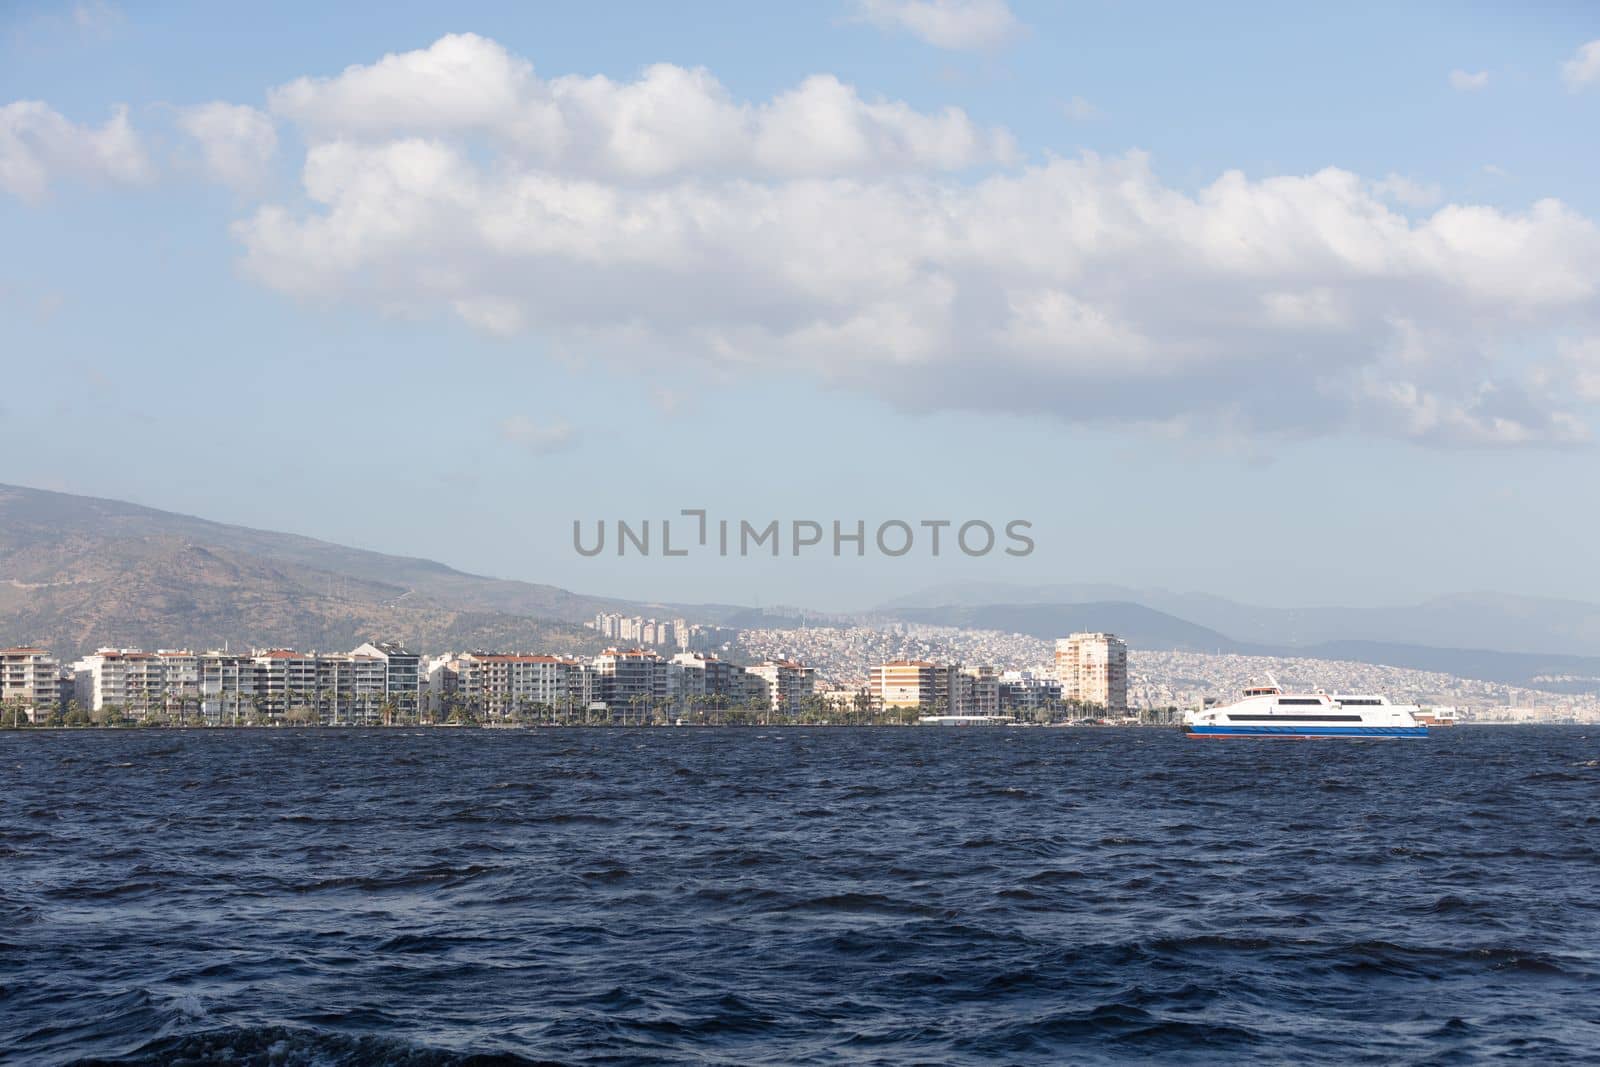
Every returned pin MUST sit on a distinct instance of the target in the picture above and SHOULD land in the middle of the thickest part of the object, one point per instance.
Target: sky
(1294, 308)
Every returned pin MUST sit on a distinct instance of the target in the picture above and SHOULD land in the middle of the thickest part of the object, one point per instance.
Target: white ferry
(1267, 711)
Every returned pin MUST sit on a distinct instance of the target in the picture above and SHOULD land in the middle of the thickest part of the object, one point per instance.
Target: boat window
(1299, 700)
(1294, 718)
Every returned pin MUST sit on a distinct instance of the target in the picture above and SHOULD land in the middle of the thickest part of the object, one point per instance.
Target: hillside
(80, 572)
(1140, 626)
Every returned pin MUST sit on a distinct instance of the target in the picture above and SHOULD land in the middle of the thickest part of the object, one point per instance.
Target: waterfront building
(785, 685)
(1093, 670)
(402, 675)
(1028, 691)
(705, 675)
(632, 675)
(979, 692)
(133, 680)
(906, 683)
(30, 682)
(501, 684)
(227, 683)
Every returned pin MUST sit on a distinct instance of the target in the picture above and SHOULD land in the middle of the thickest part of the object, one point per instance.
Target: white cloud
(38, 146)
(1080, 110)
(1084, 289)
(539, 438)
(1408, 191)
(236, 142)
(1583, 69)
(1463, 82)
(949, 24)
(1576, 369)
(670, 122)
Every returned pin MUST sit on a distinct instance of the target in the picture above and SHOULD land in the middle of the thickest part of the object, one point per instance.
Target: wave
(287, 1046)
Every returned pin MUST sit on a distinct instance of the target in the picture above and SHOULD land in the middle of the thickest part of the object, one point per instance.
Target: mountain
(1539, 626)
(1140, 626)
(80, 572)
(1146, 628)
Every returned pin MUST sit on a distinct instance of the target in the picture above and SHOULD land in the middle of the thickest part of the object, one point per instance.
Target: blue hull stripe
(1306, 731)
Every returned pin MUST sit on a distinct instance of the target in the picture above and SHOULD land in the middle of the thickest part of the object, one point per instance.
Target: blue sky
(446, 304)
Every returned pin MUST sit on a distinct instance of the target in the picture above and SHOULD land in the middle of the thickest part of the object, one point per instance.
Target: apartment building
(30, 682)
(705, 675)
(786, 684)
(402, 674)
(625, 676)
(136, 681)
(979, 692)
(905, 683)
(1093, 669)
(1028, 691)
(503, 683)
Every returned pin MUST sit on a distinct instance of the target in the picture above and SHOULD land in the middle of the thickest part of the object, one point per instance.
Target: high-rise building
(1093, 669)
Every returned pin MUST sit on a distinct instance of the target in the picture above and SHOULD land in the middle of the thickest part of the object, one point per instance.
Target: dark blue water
(798, 896)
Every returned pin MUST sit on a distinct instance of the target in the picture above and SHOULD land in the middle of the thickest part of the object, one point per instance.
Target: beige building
(1093, 669)
(905, 683)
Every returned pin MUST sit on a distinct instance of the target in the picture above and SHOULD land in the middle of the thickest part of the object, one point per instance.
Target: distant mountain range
(1323, 633)
(80, 572)
(1543, 626)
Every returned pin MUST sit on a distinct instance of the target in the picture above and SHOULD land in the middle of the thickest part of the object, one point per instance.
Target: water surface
(797, 896)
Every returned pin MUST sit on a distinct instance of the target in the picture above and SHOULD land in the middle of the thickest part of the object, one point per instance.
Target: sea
(797, 896)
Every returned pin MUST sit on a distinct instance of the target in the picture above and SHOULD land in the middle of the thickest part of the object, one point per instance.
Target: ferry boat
(1268, 711)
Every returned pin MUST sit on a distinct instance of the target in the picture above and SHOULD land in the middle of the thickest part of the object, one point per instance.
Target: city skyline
(284, 352)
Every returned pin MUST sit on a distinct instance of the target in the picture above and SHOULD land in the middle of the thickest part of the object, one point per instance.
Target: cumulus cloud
(1463, 82)
(1086, 289)
(538, 438)
(236, 142)
(1408, 191)
(670, 122)
(1583, 69)
(949, 24)
(39, 146)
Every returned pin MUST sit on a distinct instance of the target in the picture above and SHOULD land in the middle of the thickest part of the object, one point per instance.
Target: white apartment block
(30, 682)
(136, 681)
(503, 683)
(1093, 669)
